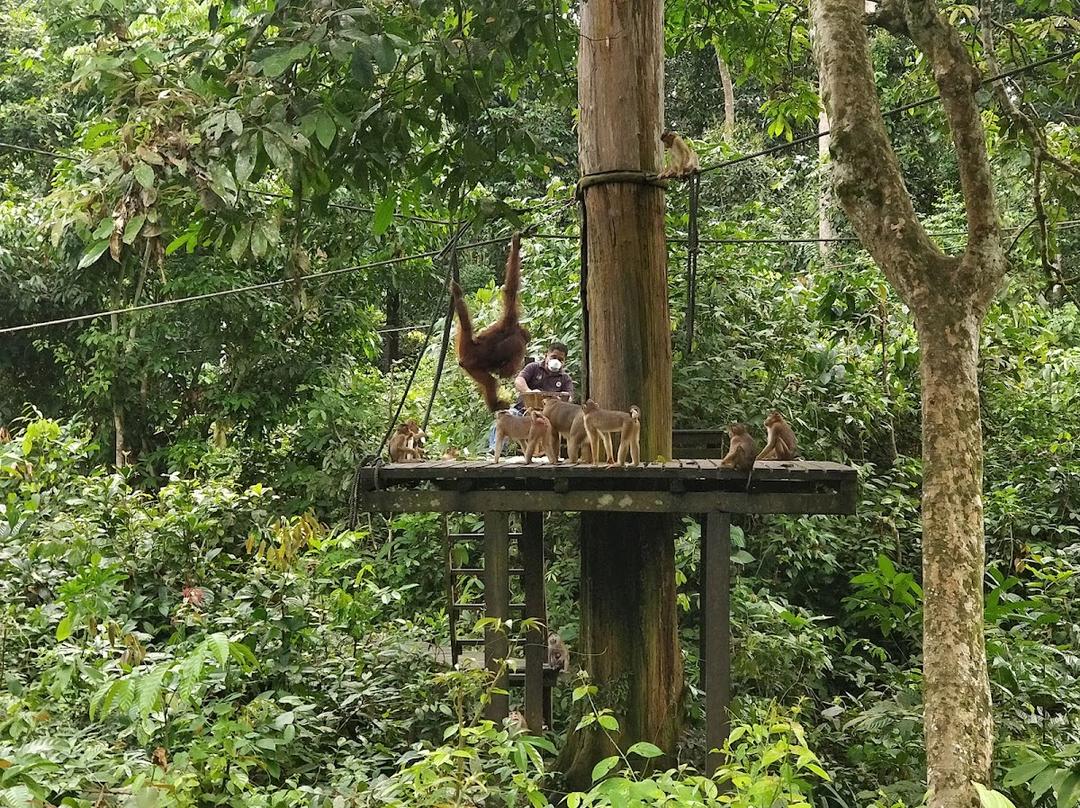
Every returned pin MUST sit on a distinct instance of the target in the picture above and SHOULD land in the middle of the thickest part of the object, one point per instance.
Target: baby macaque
(599, 424)
(558, 653)
(780, 445)
(405, 443)
(531, 431)
(567, 421)
(682, 160)
(743, 449)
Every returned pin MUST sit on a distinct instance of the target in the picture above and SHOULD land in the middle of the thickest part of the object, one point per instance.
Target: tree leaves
(144, 175)
(278, 152)
(325, 129)
(276, 61)
(94, 253)
(384, 214)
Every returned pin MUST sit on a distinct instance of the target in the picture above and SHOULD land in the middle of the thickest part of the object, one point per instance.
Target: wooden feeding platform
(676, 486)
(697, 486)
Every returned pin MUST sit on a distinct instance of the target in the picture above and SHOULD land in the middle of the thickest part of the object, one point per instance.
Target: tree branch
(958, 81)
(866, 171)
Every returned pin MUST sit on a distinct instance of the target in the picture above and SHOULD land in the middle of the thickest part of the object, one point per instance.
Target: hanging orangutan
(500, 348)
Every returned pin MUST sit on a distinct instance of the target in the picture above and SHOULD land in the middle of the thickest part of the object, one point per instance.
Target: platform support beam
(716, 632)
(497, 605)
(531, 552)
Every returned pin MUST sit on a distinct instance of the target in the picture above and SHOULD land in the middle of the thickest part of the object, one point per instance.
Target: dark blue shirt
(538, 377)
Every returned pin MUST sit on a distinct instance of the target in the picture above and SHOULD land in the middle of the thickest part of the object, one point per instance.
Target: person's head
(555, 358)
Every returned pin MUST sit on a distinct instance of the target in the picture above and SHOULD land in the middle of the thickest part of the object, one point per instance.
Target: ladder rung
(480, 605)
(480, 570)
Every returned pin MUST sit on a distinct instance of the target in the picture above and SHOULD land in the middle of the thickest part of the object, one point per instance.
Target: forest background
(184, 619)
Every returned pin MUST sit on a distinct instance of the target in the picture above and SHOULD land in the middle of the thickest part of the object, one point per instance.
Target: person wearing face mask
(546, 375)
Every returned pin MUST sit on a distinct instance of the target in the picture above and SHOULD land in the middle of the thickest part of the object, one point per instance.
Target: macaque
(780, 444)
(558, 653)
(536, 399)
(567, 421)
(405, 443)
(5, 436)
(743, 450)
(682, 160)
(532, 432)
(451, 454)
(500, 348)
(599, 424)
(515, 724)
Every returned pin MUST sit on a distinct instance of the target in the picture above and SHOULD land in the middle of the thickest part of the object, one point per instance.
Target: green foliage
(198, 629)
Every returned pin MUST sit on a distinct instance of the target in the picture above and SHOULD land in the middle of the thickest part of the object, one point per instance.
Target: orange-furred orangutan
(498, 350)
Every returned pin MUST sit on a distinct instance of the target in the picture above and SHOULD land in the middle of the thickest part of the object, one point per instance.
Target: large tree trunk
(949, 296)
(629, 642)
(959, 730)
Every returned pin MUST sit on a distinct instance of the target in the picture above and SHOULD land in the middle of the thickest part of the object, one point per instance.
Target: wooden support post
(703, 586)
(497, 604)
(451, 590)
(716, 611)
(531, 551)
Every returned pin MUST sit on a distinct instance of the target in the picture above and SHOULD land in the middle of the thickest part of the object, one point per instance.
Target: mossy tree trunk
(949, 296)
(628, 640)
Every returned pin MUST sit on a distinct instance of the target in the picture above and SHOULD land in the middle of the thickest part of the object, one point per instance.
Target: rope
(692, 261)
(618, 176)
(445, 346)
(255, 287)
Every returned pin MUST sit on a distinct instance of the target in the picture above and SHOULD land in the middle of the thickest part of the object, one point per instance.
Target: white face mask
(554, 365)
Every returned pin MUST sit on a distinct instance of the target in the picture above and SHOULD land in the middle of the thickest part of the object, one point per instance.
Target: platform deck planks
(689, 485)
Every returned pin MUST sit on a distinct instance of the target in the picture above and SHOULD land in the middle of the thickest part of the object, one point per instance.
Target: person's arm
(524, 380)
(569, 386)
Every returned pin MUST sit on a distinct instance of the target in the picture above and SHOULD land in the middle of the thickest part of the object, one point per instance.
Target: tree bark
(826, 198)
(628, 643)
(956, 692)
(729, 97)
(949, 296)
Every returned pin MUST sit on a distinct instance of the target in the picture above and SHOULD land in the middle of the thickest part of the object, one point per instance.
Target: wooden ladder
(495, 573)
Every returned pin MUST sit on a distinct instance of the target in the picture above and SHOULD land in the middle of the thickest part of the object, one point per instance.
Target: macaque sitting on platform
(567, 421)
(558, 653)
(682, 160)
(599, 424)
(780, 445)
(531, 431)
(405, 443)
(743, 450)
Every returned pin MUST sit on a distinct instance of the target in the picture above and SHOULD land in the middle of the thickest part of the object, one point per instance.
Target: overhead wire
(887, 114)
(256, 287)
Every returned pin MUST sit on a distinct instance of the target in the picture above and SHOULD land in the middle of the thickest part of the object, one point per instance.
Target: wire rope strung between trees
(376, 458)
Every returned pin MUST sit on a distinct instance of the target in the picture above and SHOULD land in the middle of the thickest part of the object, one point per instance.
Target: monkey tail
(749, 476)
